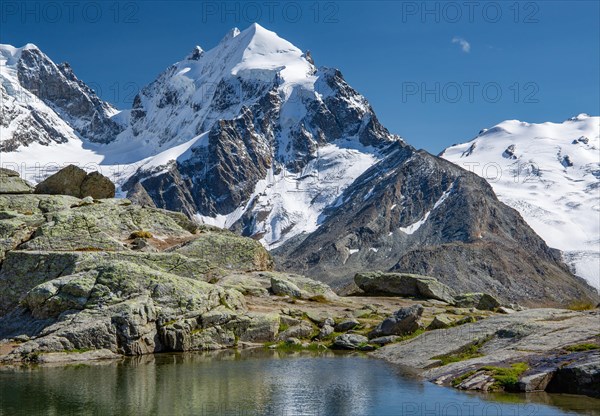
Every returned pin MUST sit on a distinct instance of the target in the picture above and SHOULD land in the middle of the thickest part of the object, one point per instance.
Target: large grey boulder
(403, 321)
(8, 173)
(76, 182)
(350, 342)
(285, 284)
(325, 331)
(283, 287)
(246, 283)
(256, 327)
(403, 284)
(441, 321)
(303, 330)
(11, 183)
(228, 249)
(347, 324)
(481, 301)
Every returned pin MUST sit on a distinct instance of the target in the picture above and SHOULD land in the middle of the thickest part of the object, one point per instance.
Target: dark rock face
(139, 196)
(579, 377)
(76, 182)
(33, 127)
(74, 101)
(403, 321)
(416, 213)
(222, 173)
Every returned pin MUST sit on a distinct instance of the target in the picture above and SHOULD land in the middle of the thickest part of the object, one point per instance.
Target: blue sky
(435, 72)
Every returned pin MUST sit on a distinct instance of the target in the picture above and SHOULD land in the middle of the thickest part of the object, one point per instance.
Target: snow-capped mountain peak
(550, 173)
(49, 101)
(10, 55)
(250, 128)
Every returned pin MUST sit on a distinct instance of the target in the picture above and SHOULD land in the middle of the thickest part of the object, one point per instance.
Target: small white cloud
(464, 45)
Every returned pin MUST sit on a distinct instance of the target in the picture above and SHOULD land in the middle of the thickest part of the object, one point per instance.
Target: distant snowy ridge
(550, 173)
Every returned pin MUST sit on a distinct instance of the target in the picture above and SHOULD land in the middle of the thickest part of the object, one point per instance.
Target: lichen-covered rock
(50, 299)
(285, 284)
(347, 324)
(213, 338)
(247, 284)
(8, 173)
(126, 308)
(15, 229)
(14, 185)
(74, 181)
(350, 342)
(403, 284)
(441, 321)
(283, 287)
(28, 204)
(73, 231)
(403, 321)
(481, 301)
(325, 331)
(256, 327)
(302, 330)
(72, 277)
(21, 271)
(228, 250)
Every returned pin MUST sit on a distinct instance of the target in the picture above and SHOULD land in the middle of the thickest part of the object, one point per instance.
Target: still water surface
(255, 383)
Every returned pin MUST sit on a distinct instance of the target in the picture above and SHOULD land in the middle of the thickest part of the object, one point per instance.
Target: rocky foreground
(85, 278)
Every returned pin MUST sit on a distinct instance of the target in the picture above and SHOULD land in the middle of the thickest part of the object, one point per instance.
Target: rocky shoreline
(87, 279)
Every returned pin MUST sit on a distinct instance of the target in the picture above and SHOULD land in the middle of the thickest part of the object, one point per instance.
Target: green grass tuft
(582, 347)
(581, 305)
(460, 379)
(507, 377)
(318, 299)
(470, 351)
(140, 234)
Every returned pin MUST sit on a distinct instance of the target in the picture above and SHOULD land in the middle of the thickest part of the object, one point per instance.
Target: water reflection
(251, 382)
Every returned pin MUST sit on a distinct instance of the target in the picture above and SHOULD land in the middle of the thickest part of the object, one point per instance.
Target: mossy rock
(228, 251)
